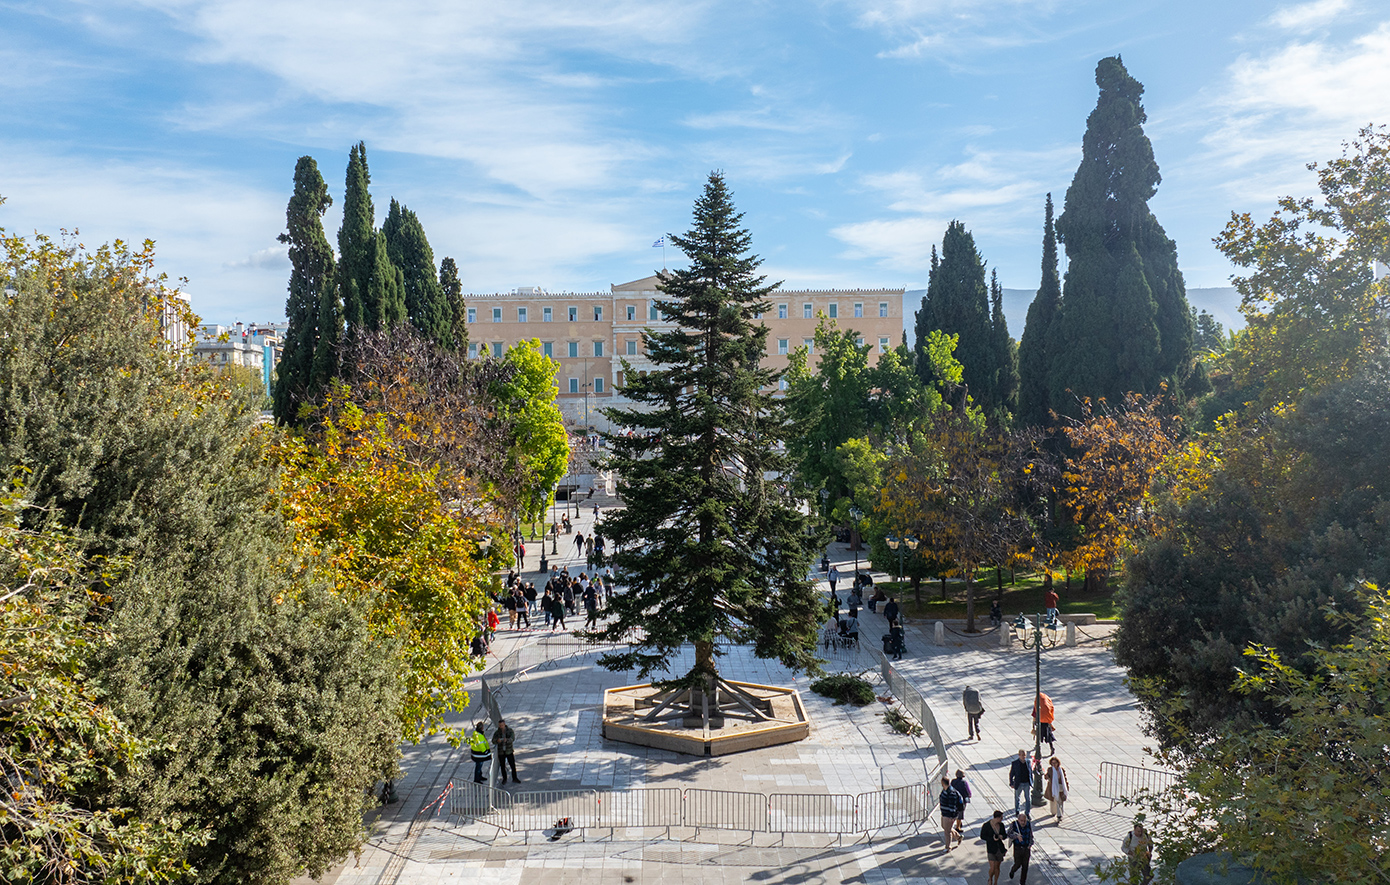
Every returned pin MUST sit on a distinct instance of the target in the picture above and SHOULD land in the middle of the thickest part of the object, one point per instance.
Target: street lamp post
(824, 504)
(1021, 624)
(855, 514)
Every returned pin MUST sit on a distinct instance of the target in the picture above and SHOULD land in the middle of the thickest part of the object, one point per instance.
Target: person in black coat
(890, 611)
(996, 839)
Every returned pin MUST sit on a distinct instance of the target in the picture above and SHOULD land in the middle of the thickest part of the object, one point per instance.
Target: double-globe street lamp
(1021, 625)
(902, 545)
(855, 514)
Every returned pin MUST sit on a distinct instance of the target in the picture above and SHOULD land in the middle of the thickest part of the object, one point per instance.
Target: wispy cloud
(1303, 16)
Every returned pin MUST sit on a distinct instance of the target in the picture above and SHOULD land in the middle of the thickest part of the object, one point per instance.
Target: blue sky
(546, 143)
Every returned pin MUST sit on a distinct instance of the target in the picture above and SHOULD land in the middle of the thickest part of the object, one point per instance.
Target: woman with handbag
(1056, 792)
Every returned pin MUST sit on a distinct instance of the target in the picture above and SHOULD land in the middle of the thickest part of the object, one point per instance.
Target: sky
(550, 143)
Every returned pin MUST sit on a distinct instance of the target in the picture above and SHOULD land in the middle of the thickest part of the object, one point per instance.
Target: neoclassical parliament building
(590, 333)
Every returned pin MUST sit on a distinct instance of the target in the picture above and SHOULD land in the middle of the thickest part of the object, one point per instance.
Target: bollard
(940, 633)
(1006, 636)
(1071, 634)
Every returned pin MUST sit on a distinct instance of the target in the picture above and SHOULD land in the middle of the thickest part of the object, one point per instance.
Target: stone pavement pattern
(555, 709)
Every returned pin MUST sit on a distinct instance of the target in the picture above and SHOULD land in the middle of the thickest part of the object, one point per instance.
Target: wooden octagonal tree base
(775, 715)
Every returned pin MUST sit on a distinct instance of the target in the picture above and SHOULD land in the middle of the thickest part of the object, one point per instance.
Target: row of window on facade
(548, 313)
(498, 348)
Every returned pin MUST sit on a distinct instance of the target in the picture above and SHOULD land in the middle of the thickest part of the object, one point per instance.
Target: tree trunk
(943, 587)
(917, 589)
(970, 601)
(999, 580)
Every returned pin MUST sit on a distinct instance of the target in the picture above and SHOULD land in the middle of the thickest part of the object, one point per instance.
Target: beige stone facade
(590, 333)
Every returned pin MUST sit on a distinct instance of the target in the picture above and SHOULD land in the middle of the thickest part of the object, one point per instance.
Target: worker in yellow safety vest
(482, 753)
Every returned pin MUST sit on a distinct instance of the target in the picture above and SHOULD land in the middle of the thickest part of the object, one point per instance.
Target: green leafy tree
(372, 288)
(712, 549)
(1123, 324)
(452, 287)
(539, 441)
(1302, 800)
(1314, 314)
(957, 303)
(827, 407)
(267, 708)
(426, 305)
(1034, 394)
(308, 358)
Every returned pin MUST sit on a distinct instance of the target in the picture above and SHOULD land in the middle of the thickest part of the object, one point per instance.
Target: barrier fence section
(916, 705)
(831, 814)
(1119, 782)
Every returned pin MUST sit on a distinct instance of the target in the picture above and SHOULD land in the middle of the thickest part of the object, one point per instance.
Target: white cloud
(1303, 16)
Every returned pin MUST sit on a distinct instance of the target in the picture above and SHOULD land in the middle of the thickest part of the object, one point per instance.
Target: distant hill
(1221, 302)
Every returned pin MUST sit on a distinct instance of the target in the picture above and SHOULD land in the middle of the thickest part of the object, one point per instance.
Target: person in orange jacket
(1045, 714)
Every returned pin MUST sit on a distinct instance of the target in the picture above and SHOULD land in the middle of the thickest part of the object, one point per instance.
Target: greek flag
(659, 243)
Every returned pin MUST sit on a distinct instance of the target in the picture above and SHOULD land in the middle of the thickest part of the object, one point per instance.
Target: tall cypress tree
(355, 239)
(1124, 323)
(711, 548)
(1034, 400)
(384, 306)
(311, 285)
(409, 250)
(957, 303)
(1005, 353)
(452, 288)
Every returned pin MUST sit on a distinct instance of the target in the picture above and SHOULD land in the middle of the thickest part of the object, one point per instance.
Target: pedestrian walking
(834, 577)
(1050, 600)
(557, 614)
(996, 840)
(890, 611)
(530, 594)
(952, 807)
(591, 605)
(578, 543)
(568, 594)
(1138, 849)
(1020, 779)
(962, 786)
(481, 752)
(1021, 835)
(1056, 790)
(521, 555)
(504, 742)
(970, 699)
(1044, 717)
(519, 608)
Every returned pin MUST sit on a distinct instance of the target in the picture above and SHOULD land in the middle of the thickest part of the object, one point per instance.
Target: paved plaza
(555, 709)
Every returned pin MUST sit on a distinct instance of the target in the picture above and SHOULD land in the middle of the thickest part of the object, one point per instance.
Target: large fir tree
(409, 249)
(714, 551)
(372, 289)
(1034, 400)
(1005, 351)
(1124, 323)
(311, 286)
(957, 303)
(452, 287)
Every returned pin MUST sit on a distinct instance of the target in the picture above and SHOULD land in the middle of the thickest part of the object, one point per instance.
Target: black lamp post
(902, 545)
(1021, 625)
(824, 504)
(855, 514)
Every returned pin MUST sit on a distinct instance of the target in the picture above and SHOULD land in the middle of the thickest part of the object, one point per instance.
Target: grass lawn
(1024, 596)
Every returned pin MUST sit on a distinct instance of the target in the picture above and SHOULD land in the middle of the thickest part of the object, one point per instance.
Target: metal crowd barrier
(1119, 782)
(916, 705)
(836, 814)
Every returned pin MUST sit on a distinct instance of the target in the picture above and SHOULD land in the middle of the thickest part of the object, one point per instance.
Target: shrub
(845, 688)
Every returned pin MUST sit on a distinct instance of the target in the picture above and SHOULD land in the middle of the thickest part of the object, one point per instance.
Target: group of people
(503, 741)
(847, 627)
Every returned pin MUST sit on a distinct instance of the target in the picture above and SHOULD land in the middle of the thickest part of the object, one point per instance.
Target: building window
(497, 348)
(598, 385)
(882, 345)
(632, 347)
(757, 314)
(809, 344)
(497, 314)
(782, 345)
(574, 314)
(859, 342)
(782, 385)
(472, 314)
(574, 385)
(598, 314)
(806, 312)
(598, 348)
(472, 348)
(573, 349)
(521, 314)
(548, 348)
(781, 311)
(652, 313)
(547, 314)
(859, 310)
(883, 308)
(631, 312)
(834, 311)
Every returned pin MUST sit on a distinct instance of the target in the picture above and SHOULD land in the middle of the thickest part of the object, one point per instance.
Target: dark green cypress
(409, 250)
(1034, 400)
(355, 239)
(452, 288)
(384, 306)
(1124, 323)
(311, 285)
(1005, 353)
(713, 551)
(957, 303)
